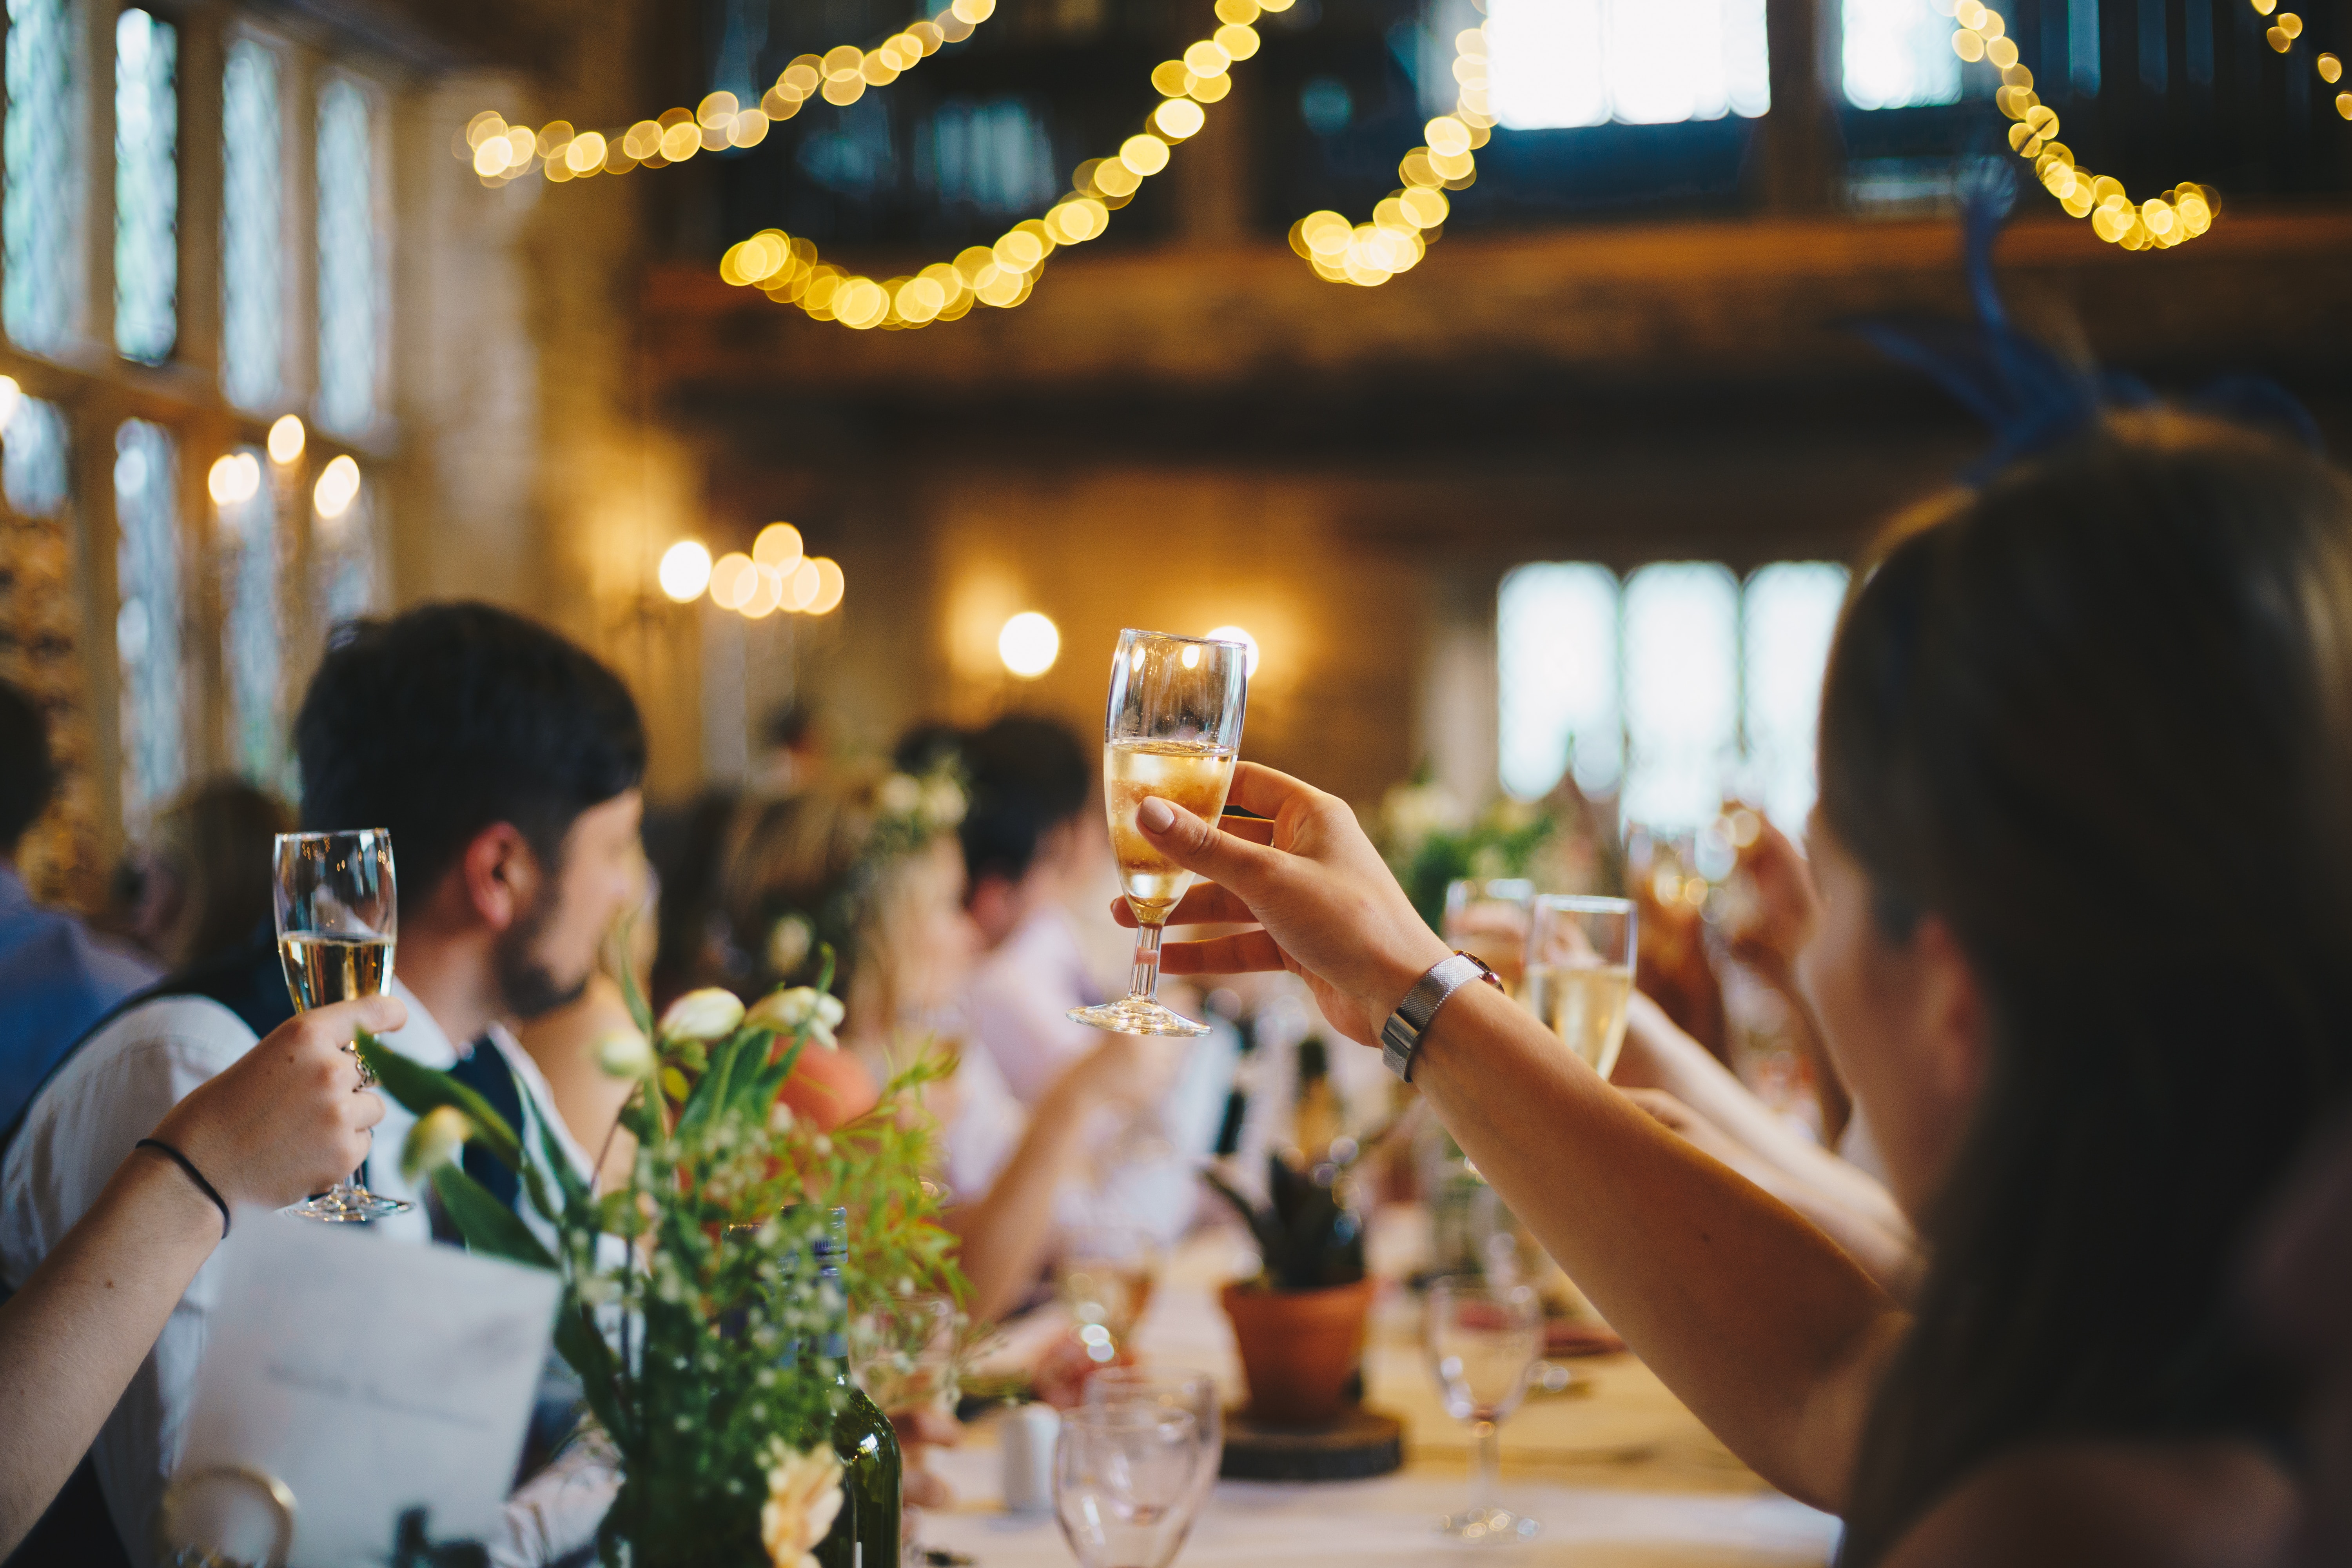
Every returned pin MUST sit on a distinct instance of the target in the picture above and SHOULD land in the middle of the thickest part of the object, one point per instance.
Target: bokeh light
(1029, 644)
(1235, 634)
(734, 577)
(338, 487)
(234, 480)
(285, 439)
(684, 571)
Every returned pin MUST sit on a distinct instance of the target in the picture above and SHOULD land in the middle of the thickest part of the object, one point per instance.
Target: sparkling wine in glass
(337, 920)
(1484, 1341)
(1173, 729)
(1580, 973)
(1125, 1485)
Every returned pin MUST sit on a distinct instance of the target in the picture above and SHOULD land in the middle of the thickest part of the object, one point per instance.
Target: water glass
(1194, 1393)
(1126, 1487)
(1484, 1340)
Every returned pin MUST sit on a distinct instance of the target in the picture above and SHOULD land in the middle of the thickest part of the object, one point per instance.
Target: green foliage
(1429, 841)
(1307, 1234)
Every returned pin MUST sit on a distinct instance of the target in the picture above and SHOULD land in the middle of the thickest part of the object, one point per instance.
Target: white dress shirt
(83, 1124)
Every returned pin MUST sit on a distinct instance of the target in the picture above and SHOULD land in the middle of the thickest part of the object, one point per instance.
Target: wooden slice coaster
(1361, 1443)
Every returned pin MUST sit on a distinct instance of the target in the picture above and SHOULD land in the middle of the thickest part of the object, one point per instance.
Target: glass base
(1496, 1524)
(1138, 1015)
(349, 1204)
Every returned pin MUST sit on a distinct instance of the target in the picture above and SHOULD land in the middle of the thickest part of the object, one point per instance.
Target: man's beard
(526, 985)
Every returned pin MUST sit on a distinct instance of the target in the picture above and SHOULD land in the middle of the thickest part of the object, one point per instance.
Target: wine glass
(1104, 1277)
(1580, 973)
(1125, 1488)
(1194, 1393)
(1488, 920)
(337, 920)
(1173, 729)
(1483, 1342)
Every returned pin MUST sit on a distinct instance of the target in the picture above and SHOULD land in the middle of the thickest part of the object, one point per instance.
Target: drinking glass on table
(1483, 1342)
(1104, 1277)
(1487, 918)
(1125, 1488)
(337, 920)
(1172, 730)
(1194, 1393)
(1580, 973)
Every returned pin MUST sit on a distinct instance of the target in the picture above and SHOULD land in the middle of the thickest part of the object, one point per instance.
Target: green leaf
(759, 1090)
(587, 1353)
(488, 1226)
(640, 1010)
(419, 1088)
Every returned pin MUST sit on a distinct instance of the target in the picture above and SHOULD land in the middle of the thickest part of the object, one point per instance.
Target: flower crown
(910, 810)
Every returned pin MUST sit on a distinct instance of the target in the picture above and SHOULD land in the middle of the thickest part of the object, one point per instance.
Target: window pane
(40, 191)
(1791, 611)
(1898, 53)
(994, 156)
(343, 552)
(147, 620)
(1681, 692)
(252, 248)
(350, 267)
(146, 186)
(33, 460)
(1556, 639)
(249, 577)
(1582, 62)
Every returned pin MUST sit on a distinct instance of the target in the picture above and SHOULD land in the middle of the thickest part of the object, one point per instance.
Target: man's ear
(498, 876)
(1953, 1022)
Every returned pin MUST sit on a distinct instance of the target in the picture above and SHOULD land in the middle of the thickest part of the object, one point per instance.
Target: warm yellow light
(285, 439)
(1144, 153)
(1177, 118)
(1235, 634)
(684, 571)
(234, 479)
(1192, 656)
(799, 591)
(586, 153)
(733, 579)
(1205, 59)
(1029, 644)
(767, 595)
(338, 487)
(830, 586)
(778, 548)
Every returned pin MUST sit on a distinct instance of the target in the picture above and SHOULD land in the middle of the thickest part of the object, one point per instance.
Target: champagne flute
(1489, 921)
(1483, 1342)
(1125, 1488)
(1580, 973)
(1172, 731)
(337, 920)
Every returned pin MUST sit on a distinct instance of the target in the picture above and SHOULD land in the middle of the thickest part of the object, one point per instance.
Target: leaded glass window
(343, 553)
(147, 580)
(253, 241)
(350, 268)
(1554, 63)
(34, 466)
(993, 154)
(1682, 691)
(1556, 635)
(1787, 614)
(40, 186)
(1898, 53)
(146, 185)
(254, 648)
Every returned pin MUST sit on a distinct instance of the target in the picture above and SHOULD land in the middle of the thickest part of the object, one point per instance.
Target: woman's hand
(289, 1117)
(1326, 906)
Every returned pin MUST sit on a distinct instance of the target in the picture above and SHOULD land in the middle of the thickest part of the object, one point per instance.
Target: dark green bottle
(865, 1534)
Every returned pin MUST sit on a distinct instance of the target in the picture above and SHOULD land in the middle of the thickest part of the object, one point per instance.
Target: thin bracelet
(194, 1175)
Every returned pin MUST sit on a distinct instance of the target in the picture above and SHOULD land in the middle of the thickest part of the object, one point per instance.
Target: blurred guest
(867, 864)
(687, 846)
(280, 1123)
(566, 1046)
(793, 756)
(56, 979)
(1768, 926)
(206, 883)
(505, 762)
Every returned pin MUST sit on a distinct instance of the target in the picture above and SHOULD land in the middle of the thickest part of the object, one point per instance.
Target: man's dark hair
(28, 775)
(1027, 776)
(440, 722)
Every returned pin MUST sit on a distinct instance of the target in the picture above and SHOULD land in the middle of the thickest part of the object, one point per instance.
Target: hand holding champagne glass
(1173, 729)
(338, 918)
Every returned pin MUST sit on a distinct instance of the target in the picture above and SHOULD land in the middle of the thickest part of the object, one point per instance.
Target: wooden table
(1617, 1470)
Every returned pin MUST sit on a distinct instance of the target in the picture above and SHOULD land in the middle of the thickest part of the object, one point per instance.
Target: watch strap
(1401, 1036)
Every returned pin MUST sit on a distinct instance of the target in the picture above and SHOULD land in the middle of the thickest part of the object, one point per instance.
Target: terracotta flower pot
(1298, 1348)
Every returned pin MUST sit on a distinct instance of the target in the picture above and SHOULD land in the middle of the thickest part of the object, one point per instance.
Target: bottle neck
(832, 1251)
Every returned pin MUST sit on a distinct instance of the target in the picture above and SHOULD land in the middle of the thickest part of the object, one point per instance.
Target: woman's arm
(287, 1119)
(1769, 1333)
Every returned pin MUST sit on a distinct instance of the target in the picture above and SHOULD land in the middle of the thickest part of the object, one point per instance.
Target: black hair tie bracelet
(194, 1175)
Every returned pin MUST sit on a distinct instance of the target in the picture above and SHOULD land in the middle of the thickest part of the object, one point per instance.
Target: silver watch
(1401, 1036)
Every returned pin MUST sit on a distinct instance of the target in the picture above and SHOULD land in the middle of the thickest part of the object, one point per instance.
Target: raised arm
(285, 1121)
(1769, 1333)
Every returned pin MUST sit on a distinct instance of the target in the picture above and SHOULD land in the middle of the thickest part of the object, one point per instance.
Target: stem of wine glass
(1146, 981)
(1489, 1437)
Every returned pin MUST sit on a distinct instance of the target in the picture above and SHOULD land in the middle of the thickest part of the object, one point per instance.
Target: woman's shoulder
(2204, 1504)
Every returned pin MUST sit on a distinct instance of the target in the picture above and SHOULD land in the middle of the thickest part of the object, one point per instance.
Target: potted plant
(1300, 1323)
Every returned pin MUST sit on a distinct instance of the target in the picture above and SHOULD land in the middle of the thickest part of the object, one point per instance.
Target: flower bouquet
(704, 1304)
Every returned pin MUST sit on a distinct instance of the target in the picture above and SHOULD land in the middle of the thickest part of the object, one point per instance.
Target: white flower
(789, 941)
(900, 795)
(803, 1496)
(943, 802)
(435, 1141)
(803, 1007)
(709, 1014)
(625, 1053)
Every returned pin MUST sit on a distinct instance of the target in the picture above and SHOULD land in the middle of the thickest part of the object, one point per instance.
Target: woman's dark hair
(1026, 776)
(441, 721)
(214, 842)
(2093, 717)
(28, 776)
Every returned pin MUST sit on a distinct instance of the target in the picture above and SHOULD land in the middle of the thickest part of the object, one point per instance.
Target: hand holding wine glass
(338, 918)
